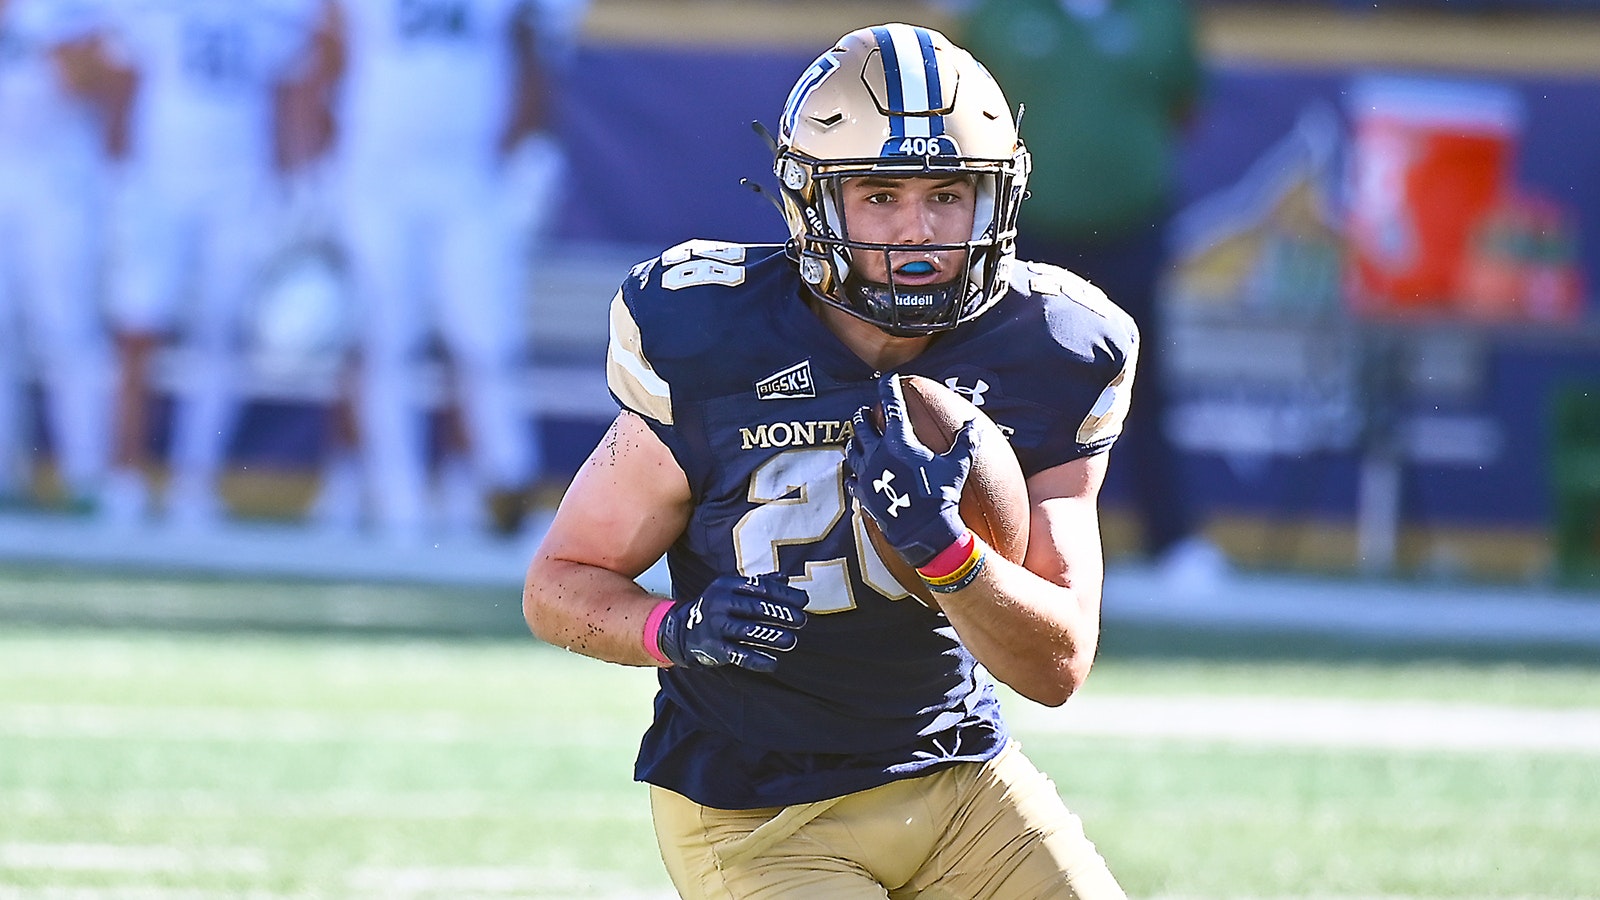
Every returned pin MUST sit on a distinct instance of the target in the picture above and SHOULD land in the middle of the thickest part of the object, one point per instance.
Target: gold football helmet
(899, 100)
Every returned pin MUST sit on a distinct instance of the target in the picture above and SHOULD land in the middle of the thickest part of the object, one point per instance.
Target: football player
(817, 732)
(52, 63)
(449, 163)
(199, 178)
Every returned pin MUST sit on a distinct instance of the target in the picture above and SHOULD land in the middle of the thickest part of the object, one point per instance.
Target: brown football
(994, 500)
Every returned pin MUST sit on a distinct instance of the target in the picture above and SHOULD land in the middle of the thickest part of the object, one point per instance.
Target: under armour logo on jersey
(974, 393)
(897, 500)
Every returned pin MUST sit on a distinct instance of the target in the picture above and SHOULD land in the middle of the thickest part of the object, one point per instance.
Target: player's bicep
(1064, 527)
(627, 504)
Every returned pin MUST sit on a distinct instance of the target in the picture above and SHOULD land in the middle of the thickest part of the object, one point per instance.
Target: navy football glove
(912, 493)
(735, 621)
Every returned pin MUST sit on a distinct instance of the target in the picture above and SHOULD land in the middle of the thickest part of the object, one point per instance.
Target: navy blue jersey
(714, 347)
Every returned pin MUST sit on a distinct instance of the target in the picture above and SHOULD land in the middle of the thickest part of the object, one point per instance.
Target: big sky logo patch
(788, 384)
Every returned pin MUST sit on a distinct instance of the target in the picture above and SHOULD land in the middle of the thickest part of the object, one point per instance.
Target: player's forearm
(1035, 636)
(588, 610)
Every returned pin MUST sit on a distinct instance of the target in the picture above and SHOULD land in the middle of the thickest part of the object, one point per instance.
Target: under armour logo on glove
(734, 622)
(885, 486)
(916, 501)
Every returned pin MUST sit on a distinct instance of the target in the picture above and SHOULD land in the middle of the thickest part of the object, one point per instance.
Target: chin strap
(758, 189)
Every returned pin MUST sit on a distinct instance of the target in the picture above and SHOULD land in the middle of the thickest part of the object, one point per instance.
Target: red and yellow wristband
(957, 566)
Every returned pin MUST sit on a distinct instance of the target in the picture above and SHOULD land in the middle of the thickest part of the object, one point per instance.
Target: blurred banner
(1375, 293)
(1442, 167)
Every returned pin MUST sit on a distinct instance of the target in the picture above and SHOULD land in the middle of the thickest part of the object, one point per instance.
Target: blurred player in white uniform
(50, 187)
(449, 168)
(199, 184)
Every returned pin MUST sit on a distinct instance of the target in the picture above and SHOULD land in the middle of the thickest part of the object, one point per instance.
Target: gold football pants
(995, 831)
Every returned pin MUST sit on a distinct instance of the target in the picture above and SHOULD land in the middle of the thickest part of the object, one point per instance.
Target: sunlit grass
(341, 765)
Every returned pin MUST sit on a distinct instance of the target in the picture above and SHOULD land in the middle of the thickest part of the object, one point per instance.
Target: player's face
(915, 211)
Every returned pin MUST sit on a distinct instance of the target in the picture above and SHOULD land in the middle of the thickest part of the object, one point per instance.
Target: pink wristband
(950, 558)
(652, 632)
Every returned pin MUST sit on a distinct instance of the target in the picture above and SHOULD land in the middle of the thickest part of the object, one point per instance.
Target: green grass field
(343, 763)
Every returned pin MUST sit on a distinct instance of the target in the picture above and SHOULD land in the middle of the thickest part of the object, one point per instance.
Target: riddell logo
(790, 383)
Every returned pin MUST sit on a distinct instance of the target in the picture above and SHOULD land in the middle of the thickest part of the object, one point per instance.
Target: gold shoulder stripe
(1110, 410)
(629, 375)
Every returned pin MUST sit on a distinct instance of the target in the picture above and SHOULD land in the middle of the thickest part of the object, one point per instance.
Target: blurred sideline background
(1336, 419)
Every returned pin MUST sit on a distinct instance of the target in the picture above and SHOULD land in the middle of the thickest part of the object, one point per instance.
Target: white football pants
(50, 254)
(443, 250)
(193, 246)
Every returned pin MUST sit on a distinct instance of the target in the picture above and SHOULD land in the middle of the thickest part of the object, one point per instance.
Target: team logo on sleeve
(826, 65)
(789, 384)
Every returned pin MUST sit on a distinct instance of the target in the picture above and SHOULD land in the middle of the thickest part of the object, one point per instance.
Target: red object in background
(1522, 263)
(1430, 159)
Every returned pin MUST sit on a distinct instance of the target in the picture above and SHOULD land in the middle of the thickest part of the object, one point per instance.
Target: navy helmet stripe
(911, 76)
(930, 66)
(891, 77)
